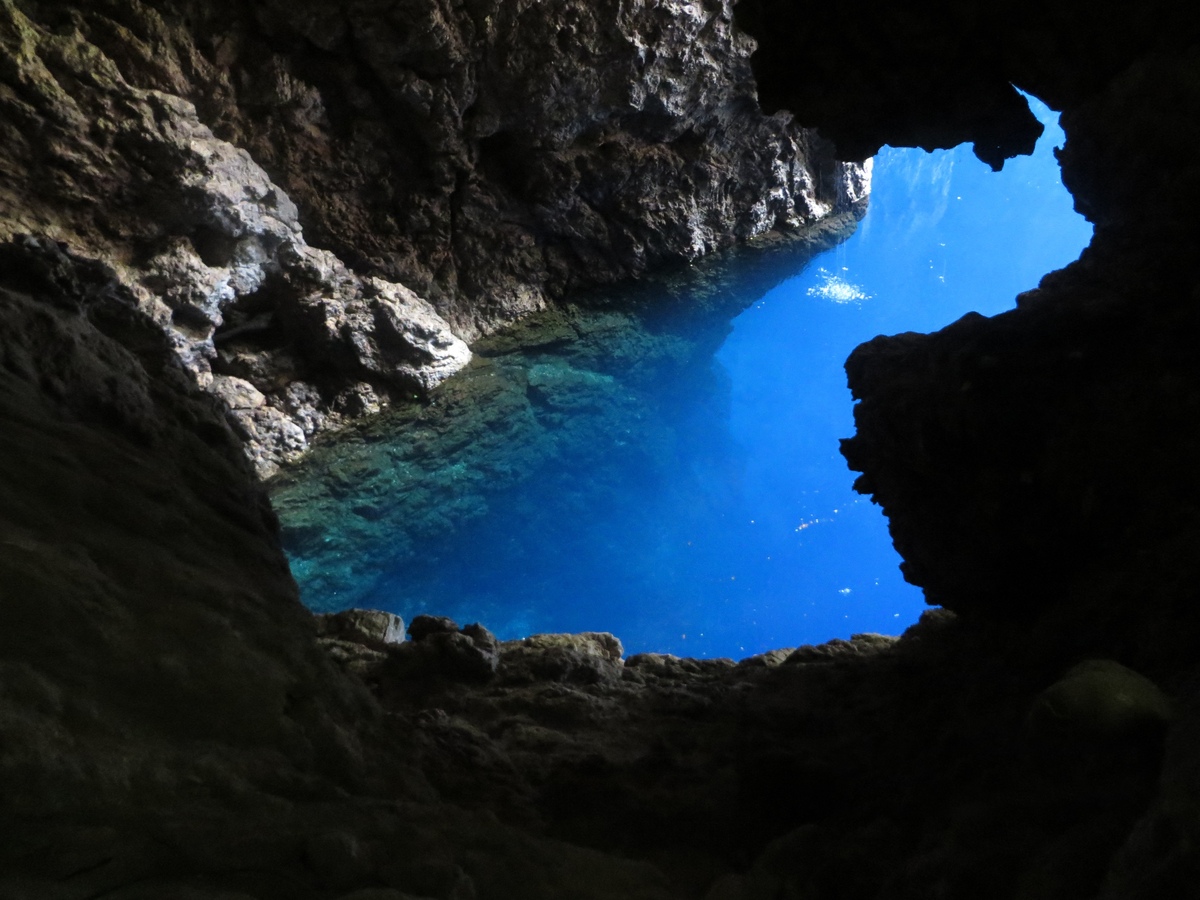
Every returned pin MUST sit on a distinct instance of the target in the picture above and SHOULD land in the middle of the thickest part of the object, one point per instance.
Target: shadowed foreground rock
(173, 728)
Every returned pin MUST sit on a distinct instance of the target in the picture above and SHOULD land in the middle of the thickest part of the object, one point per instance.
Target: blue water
(696, 506)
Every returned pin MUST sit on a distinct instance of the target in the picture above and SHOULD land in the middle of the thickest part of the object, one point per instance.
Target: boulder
(586, 658)
(1099, 698)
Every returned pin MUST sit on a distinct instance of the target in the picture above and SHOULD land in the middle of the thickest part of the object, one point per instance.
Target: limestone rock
(237, 393)
(228, 272)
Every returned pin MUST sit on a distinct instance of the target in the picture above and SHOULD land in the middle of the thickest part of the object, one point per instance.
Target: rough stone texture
(130, 535)
(530, 145)
(367, 625)
(357, 639)
(585, 658)
(485, 157)
(210, 245)
(838, 773)
(1099, 698)
(441, 650)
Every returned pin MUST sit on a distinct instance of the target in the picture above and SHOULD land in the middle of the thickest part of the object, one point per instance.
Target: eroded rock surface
(823, 770)
(458, 167)
(157, 671)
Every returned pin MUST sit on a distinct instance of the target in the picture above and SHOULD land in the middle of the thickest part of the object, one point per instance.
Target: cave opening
(648, 468)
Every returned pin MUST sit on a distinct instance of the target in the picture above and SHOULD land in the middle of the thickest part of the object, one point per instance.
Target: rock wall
(1015, 454)
(1036, 467)
(458, 165)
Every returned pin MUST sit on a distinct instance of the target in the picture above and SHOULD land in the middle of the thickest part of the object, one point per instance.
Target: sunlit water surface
(718, 517)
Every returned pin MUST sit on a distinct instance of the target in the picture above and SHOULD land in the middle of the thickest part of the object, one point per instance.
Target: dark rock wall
(1014, 454)
(937, 74)
(496, 153)
(169, 725)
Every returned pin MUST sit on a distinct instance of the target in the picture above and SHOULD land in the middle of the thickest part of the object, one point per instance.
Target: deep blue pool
(630, 481)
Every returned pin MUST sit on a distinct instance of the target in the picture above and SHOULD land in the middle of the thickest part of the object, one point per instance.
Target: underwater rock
(597, 388)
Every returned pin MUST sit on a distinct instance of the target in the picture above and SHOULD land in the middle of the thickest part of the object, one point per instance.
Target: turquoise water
(665, 477)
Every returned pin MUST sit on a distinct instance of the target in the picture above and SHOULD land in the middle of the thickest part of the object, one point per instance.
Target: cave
(352, 198)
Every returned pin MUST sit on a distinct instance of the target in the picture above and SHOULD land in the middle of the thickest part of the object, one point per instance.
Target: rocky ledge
(458, 167)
